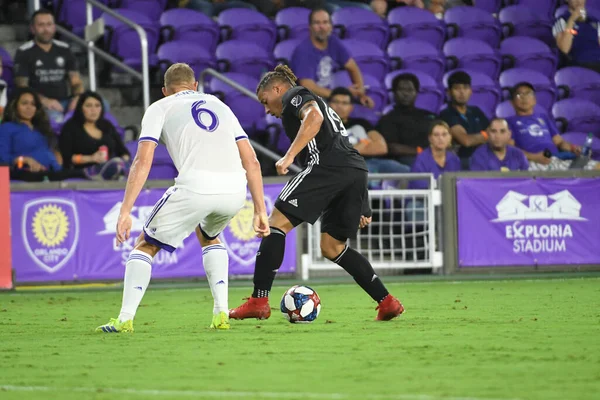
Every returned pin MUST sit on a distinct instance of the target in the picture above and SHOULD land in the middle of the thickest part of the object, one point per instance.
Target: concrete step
(113, 96)
(11, 47)
(128, 115)
(8, 33)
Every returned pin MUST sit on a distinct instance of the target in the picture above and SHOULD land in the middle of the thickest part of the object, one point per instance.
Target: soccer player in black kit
(332, 185)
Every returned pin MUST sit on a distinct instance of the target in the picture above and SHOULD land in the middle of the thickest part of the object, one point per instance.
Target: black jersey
(331, 146)
(48, 72)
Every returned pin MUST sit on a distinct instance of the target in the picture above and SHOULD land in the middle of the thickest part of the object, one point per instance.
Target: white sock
(137, 277)
(216, 265)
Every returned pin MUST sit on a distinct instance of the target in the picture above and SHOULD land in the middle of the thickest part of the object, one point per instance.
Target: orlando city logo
(50, 230)
(239, 236)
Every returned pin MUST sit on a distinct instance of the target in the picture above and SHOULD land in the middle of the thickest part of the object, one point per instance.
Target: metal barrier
(402, 235)
(92, 49)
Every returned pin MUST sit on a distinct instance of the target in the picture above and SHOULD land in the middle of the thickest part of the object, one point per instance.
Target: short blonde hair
(178, 74)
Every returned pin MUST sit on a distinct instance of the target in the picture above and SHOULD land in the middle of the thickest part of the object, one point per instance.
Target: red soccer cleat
(253, 308)
(389, 308)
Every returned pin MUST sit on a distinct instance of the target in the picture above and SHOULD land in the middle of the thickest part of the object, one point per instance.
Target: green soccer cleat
(114, 326)
(220, 321)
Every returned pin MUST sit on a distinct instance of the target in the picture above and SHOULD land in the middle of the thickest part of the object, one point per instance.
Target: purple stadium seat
(544, 87)
(124, 41)
(358, 23)
(7, 67)
(472, 54)
(198, 57)
(577, 115)
(250, 113)
(248, 25)
(222, 89)
(430, 95)
(416, 23)
(411, 53)
(292, 23)
(151, 8)
(73, 15)
(190, 25)
(486, 92)
(491, 6)
(369, 57)
(544, 7)
(278, 140)
(578, 138)
(244, 57)
(374, 89)
(284, 50)
(579, 83)
(473, 23)
(506, 109)
(528, 52)
(363, 112)
(523, 21)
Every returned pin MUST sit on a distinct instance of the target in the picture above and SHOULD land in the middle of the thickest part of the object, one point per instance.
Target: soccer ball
(300, 304)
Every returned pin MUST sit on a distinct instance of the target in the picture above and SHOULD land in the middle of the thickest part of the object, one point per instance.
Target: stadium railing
(402, 235)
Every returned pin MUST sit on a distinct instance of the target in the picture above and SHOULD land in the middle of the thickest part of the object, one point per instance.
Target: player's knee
(330, 249)
(209, 242)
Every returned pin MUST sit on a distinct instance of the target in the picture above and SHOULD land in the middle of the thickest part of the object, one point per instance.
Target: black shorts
(334, 193)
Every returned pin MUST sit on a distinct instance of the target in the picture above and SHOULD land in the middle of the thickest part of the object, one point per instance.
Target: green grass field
(514, 339)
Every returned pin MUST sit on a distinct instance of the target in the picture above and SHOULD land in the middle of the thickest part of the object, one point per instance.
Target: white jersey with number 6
(200, 133)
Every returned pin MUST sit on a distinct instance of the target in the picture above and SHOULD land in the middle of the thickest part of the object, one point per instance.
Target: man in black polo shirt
(406, 128)
(48, 66)
(467, 123)
(363, 136)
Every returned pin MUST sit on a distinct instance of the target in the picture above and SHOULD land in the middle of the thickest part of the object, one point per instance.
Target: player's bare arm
(255, 184)
(312, 118)
(140, 168)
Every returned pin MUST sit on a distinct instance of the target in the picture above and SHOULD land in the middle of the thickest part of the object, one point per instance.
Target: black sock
(268, 260)
(361, 270)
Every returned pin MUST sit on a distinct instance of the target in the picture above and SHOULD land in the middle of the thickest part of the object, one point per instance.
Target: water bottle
(587, 146)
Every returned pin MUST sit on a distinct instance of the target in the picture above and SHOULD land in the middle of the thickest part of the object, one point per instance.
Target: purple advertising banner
(67, 235)
(528, 222)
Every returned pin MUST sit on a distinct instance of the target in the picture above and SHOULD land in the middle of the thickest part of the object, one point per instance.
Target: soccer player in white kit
(215, 160)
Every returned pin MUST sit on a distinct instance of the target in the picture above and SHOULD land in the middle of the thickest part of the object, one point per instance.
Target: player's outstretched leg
(361, 270)
(216, 266)
(268, 260)
(137, 277)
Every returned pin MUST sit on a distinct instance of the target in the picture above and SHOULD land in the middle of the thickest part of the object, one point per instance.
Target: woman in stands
(27, 143)
(436, 159)
(89, 140)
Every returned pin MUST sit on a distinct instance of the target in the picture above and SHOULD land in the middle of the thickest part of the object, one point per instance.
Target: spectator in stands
(537, 135)
(3, 91)
(578, 35)
(363, 136)
(382, 7)
(436, 159)
(48, 66)
(467, 123)
(406, 128)
(498, 154)
(88, 139)
(317, 58)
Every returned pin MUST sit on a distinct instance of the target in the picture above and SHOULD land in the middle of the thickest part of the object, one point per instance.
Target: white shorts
(177, 214)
